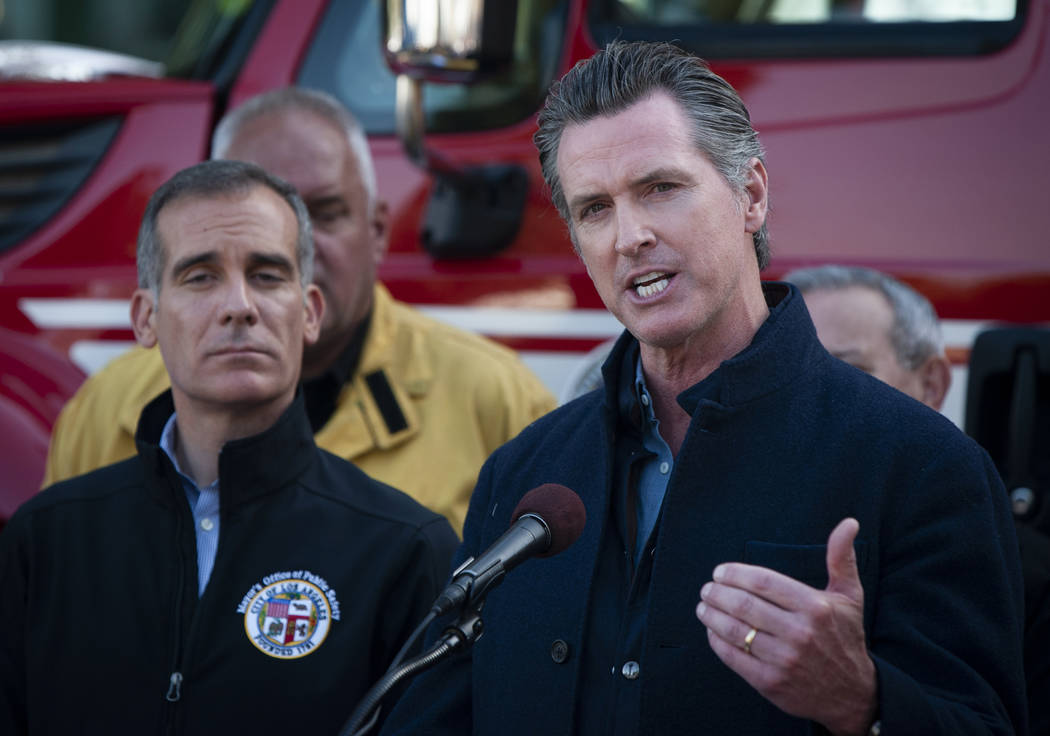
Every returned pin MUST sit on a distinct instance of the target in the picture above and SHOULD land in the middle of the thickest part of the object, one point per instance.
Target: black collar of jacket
(249, 468)
(782, 349)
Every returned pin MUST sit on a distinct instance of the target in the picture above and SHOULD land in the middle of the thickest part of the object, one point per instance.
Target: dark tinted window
(801, 28)
(142, 28)
(41, 167)
(346, 59)
(194, 39)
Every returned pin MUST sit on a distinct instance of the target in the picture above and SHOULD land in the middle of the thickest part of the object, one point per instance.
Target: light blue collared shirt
(204, 503)
(654, 471)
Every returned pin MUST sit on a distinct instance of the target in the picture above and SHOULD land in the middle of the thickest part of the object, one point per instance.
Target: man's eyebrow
(581, 199)
(331, 200)
(661, 174)
(255, 260)
(282, 262)
(185, 264)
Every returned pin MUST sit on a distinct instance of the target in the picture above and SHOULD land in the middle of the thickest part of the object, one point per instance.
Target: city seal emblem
(286, 618)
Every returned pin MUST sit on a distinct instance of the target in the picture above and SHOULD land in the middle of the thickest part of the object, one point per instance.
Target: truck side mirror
(444, 42)
(476, 211)
(449, 40)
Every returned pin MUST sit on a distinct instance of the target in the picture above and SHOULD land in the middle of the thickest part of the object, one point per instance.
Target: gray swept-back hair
(624, 73)
(916, 331)
(314, 101)
(216, 179)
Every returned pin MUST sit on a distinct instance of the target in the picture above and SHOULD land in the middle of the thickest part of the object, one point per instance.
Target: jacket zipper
(174, 688)
(174, 691)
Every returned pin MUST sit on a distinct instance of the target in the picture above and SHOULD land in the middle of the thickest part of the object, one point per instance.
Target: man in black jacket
(232, 577)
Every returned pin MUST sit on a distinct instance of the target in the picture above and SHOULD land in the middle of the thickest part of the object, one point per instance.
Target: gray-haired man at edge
(884, 327)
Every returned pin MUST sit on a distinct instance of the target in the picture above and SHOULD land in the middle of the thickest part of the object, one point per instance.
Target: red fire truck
(912, 136)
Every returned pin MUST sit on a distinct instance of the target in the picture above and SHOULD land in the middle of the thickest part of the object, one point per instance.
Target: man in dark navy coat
(776, 542)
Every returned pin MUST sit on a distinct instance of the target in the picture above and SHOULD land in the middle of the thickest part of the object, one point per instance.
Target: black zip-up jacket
(321, 574)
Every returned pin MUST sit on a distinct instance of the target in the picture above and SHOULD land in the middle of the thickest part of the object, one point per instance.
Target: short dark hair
(916, 331)
(624, 73)
(210, 179)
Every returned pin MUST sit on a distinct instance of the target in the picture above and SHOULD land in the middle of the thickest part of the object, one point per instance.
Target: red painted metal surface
(934, 169)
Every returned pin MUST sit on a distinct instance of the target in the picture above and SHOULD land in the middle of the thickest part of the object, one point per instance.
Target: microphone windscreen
(560, 508)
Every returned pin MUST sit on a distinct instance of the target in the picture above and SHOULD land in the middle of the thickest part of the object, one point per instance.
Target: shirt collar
(168, 438)
(250, 467)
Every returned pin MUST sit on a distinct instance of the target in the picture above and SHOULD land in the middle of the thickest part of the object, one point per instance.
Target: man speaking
(775, 543)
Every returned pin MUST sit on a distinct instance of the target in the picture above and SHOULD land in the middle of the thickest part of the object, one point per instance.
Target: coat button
(631, 670)
(559, 651)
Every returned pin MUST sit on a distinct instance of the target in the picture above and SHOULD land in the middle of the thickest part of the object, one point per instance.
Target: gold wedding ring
(749, 640)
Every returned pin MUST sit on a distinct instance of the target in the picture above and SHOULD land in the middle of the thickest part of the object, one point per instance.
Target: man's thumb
(843, 577)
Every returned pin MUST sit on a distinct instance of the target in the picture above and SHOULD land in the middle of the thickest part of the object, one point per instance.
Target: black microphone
(547, 520)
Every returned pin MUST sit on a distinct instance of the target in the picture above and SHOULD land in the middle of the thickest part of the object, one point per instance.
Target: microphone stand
(459, 636)
(466, 592)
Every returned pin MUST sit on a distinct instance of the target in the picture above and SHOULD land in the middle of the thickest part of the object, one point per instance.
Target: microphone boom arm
(529, 536)
(457, 637)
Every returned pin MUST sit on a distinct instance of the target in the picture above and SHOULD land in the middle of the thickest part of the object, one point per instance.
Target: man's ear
(313, 314)
(756, 187)
(379, 229)
(143, 316)
(936, 377)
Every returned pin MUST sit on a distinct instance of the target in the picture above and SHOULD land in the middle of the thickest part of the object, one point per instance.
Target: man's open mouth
(651, 283)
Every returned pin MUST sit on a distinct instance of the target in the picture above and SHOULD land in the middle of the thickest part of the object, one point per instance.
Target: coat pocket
(806, 563)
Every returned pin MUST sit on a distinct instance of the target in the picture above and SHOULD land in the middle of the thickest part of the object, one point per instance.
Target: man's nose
(633, 231)
(239, 305)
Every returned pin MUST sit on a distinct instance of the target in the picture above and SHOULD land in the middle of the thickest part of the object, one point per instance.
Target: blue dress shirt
(204, 504)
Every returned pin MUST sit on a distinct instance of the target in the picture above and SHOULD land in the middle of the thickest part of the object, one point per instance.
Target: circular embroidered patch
(288, 619)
